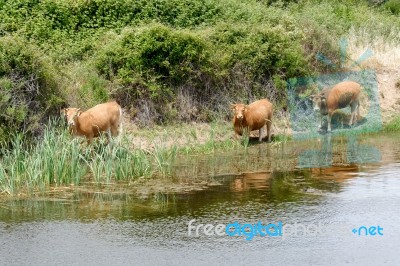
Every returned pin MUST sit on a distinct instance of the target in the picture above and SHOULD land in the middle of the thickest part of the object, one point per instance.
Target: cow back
(343, 94)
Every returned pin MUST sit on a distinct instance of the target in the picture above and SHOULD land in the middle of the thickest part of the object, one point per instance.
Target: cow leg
(351, 118)
(321, 120)
(115, 130)
(354, 108)
(356, 113)
(329, 117)
(261, 133)
(108, 135)
(269, 125)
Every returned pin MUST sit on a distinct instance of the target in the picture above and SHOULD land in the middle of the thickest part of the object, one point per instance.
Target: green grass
(197, 55)
(57, 160)
(393, 125)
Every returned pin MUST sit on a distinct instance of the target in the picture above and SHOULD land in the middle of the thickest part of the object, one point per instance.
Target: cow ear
(233, 106)
(78, 112)
(246, 107)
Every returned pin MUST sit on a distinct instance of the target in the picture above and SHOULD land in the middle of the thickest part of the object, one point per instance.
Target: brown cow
(343, 94)
(105, 117)
(253, 117)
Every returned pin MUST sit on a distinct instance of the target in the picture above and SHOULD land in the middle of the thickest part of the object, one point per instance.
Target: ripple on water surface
(355, 189)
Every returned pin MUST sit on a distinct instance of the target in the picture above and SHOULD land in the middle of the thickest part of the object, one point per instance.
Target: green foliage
(148, 53)
(376, 2)
(150, 63)
(91, 93)
(280, 2)
(393, 125)
(153, 62)
(393, 6)
(40, 18)
(154, 52)
(262, 50)
(57, 160)
(28, 91)
(339, 17)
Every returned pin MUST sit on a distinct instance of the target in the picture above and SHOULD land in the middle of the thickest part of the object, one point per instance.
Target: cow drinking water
(343, 94)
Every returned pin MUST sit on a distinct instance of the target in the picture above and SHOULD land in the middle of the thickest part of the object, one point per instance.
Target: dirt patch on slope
(386, 64)
(389, 93)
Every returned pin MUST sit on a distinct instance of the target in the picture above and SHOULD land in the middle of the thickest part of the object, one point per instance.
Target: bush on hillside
(156, 62)
(28, 91)
(264, 51)
(393, 6)
(150, 62)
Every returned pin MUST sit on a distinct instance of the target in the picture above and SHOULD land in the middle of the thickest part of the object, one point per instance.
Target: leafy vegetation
(393, 6)
(168, 60)
(28, 89)
(393, 125)
(58, 160)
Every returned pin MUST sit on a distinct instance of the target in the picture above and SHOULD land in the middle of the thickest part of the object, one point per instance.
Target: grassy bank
(59, 160)
(393, 125)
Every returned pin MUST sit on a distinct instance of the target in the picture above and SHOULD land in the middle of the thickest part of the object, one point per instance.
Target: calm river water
(341, 194)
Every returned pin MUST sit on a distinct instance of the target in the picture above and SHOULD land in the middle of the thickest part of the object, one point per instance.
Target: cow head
(319, 102)
(240, 110)
(71, 114)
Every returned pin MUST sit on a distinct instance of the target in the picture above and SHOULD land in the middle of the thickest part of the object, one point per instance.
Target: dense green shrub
(28, 91)
(393, 6)
(71, 26)
(149, 62)
(35, 17)
(262, 50)
(155, 62)
(164, 57)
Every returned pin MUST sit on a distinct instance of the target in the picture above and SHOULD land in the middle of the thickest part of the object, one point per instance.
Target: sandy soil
(389, 93)
(385, 61)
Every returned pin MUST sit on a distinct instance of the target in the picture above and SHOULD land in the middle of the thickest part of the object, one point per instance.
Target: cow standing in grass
(343, 94)
(253, 117)
(105, 117)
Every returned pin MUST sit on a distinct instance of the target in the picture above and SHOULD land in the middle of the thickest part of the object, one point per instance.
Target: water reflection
(264, 187)
(146, 222)
(289, 172)
(247, 181)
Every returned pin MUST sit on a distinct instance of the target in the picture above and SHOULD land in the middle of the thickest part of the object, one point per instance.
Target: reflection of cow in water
(343, 94)
(336, 173)
(249, 181)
